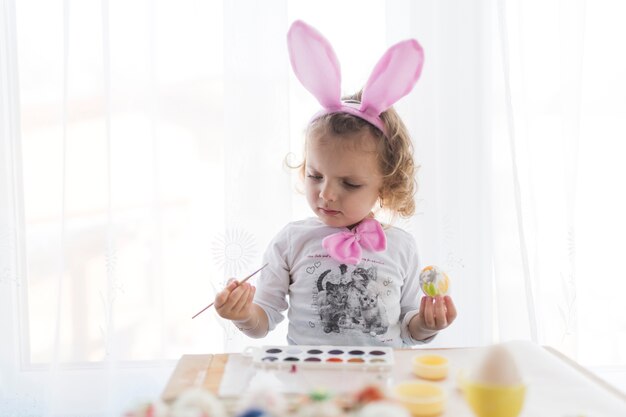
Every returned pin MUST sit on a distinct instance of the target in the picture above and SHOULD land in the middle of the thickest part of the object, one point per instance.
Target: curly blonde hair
(395, 153)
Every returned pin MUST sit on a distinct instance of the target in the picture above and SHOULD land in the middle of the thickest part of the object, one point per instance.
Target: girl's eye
(314, 177)
(350, 185)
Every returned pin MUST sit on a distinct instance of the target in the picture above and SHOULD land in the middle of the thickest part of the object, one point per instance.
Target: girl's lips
(329, 212)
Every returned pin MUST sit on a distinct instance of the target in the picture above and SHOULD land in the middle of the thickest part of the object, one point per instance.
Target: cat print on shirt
(351, 301)
(374, 315)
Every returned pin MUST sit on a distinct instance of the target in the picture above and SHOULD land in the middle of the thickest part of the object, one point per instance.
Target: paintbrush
(238, 283)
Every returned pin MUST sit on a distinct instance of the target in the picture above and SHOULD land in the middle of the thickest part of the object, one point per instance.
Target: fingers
(234, 301)
(224, 295)
(428, 312)
(437, 312)
(244, 298)
(251, 296)
(451, 309)
(441, 321)
(237, 295)
(423, 305)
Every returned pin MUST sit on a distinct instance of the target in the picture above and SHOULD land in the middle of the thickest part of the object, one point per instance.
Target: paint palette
(323, 357)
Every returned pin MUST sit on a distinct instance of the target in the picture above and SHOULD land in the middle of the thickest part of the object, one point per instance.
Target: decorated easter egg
(197, 402)
(266, 401)
(254, 412)
(369, 394)
(434, 281)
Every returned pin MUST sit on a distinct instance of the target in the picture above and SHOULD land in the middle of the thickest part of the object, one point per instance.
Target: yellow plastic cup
(494, 400)
(433, 367)
(422, 399)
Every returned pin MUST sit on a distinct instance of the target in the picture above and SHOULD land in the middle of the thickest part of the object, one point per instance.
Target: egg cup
(422, 399)
(493, 400)
(433, 367)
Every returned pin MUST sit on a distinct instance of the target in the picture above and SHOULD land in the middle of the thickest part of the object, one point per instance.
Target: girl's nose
(327, 193)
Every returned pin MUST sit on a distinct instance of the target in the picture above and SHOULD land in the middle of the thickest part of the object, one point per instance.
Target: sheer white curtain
(142, 148)
(113, 176)
(11, 267)
(448, 115)
(558, 146)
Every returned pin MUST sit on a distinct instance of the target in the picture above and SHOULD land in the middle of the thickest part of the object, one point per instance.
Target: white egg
(498, 367)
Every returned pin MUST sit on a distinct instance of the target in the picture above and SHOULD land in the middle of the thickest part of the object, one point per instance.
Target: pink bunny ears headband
(315, 64)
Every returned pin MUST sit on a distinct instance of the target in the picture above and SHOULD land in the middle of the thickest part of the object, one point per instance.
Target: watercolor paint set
(323, 357)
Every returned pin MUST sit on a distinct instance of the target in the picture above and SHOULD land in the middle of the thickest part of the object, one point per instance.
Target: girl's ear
(393, 77)
(315, 64)
(380, 196)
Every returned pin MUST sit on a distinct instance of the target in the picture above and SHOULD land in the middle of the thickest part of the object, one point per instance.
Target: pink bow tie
(345, 247)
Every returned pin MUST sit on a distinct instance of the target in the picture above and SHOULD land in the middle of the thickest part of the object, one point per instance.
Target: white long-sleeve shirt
(329, 303)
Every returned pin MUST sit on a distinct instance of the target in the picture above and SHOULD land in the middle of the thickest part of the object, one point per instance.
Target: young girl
(349, 281)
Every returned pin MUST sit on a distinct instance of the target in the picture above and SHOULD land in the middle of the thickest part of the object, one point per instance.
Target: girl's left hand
(435, 313)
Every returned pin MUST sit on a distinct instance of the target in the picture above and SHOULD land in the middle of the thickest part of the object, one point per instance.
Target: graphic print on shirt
(351, 301)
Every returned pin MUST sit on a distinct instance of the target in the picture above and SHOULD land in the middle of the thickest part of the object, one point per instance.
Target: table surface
(196, 371)
(206, 371)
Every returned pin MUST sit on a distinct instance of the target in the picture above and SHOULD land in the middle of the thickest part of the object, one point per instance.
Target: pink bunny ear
(393, 77)
(315, 64)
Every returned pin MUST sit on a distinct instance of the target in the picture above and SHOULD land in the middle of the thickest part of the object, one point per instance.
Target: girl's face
(342, 178)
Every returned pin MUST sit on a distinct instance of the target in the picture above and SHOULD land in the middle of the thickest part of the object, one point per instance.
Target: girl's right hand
(235, 301)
